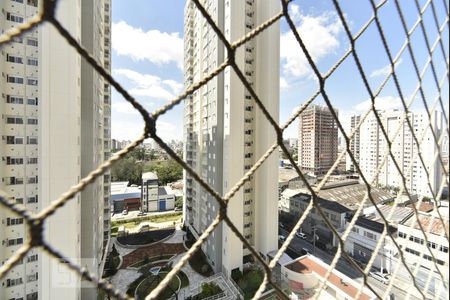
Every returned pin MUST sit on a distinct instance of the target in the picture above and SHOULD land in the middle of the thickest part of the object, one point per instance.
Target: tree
(167, 170)
(179, 202)
(127, 169)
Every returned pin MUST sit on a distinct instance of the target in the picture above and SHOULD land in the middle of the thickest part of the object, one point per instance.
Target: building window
(32, 61)
(35, 4)
(32, 296)
(32, 160)
(32, 199)
(32, 180)
(370, 235)
(14, 120)
(14, 221)
(31, 140)
(14, 79)
(14, 59)
(444, 249)
(14, 160)
(32, 258)
(14, 18)
(402, 235)
(32, 277)
(32, 81)
(14, 99)
(18, 1)
(13, 282)
(32, 101)
(13, 242)
(32, 42)
(15, 180)
(32, 121)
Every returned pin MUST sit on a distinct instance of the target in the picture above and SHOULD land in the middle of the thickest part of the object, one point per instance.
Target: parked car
(305, 251)
(282, 238)
(380, 277)
(177, 209)
(141, 213)
(301, 235)
(280, 224)
(125, 212)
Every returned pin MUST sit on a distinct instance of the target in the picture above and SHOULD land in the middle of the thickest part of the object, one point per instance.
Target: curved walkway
(194, 277)
(123, 278)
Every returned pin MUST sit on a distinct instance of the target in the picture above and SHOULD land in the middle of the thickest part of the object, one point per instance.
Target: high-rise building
(354, 143)
(373, 148)
(226, 133)
(317, 140)
(55, 129)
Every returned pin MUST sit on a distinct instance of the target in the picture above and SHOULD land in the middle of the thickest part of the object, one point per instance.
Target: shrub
(236, 275)
(210, 289)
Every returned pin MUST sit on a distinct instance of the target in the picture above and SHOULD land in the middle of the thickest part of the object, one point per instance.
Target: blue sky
(148, 53)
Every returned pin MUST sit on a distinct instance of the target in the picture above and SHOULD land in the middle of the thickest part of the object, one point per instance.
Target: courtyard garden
(144, 238)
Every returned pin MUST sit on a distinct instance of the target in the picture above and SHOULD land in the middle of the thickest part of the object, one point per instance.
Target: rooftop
(121, 190)
(399, 214)
(286, 174)
(436, 226)
(377, 226)
(352, 194)
(309, 264)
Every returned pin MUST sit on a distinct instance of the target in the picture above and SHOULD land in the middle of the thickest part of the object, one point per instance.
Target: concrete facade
(373, 147)
(44, 146)
(317, 140)
(225, 133)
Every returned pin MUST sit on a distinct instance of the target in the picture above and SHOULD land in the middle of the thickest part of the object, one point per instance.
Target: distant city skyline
(153, 71)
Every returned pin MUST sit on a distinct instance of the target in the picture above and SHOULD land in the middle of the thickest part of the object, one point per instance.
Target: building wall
(223, 128)
(361, 243)
(318, 140)
(355, 143)
(414, 244)
(43, 112)
(373, 148)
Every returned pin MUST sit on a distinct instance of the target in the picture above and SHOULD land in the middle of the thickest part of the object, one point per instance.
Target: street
(399, 289)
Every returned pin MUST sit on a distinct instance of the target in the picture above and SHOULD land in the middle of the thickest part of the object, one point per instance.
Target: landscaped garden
(208, 290)
(248, 281)
(144, 238)
(147, 282)
(152, 259)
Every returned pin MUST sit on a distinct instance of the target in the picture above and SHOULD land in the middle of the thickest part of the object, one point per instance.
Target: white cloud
(153, 45)
(381, 103)
(320, 35)
(283, 83)
(150, 85)
(124, 108)
(384, 71)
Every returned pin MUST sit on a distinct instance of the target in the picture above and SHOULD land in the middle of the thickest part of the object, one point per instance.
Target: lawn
(150, 282)
(154, 218)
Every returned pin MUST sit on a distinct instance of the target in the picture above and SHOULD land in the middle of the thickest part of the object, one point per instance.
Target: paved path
(193, 276)
(177, 237)
(123, 278)
(122, 251)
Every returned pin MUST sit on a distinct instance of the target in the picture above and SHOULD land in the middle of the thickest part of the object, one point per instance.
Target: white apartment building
(226, 133)
(411, 240)
(317, 140)
(354, 143)
(373, 147)
(47, 145)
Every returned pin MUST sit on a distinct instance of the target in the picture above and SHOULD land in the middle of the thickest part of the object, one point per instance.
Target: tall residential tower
(226, 133)
(55, 129)
(317, 140)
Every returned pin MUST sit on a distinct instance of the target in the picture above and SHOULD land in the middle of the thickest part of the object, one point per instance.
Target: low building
(304, 277)
(155, 197)
(411, 240)
(166, 198)
(124, 196)
(364, 238)
(295, 202)
(289, 178)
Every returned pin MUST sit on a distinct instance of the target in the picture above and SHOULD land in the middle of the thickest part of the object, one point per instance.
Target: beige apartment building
(317, 140)
(226, 133)
(55, 129)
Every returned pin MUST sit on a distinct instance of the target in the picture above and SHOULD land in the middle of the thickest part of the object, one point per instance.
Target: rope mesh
(35, 222)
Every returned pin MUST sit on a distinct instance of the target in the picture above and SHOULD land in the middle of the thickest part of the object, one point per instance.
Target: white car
(380, 277)
(125, 212)
(301, 235)
(282, 238)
